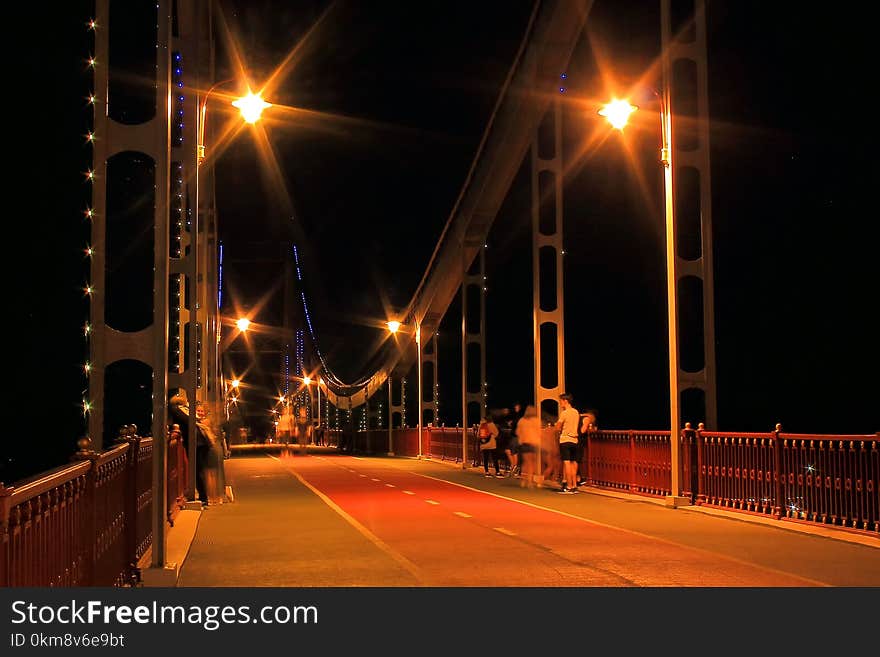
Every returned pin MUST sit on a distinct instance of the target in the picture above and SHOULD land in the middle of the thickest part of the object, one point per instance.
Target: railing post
(687, 439)
(701, 479)
(88, 539)
(588, 449)
(131, 499)
(632, 460)
(777, 464)
(5, 494)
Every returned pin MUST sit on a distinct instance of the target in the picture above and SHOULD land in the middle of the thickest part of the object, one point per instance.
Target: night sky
(410, 86)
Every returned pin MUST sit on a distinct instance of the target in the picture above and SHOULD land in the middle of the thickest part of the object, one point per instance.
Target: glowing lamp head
(235, 383)
(307, 380)
(617, 112)
(393, 326)
(251, 107)
(243, 324)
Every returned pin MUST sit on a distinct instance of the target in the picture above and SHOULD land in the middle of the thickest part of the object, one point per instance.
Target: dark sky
(793, 214)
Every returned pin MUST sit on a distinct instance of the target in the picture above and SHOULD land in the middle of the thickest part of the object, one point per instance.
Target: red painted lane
(506, 542)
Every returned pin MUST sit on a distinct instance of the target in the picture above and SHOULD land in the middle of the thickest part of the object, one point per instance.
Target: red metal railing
(87, 523)
(633, 461)
(827, 480)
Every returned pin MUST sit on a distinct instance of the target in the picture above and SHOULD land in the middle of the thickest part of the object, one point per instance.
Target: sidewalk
(835, 533)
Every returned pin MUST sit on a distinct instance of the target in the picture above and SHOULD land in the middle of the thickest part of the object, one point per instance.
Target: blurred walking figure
(528, 431)
(567, 426)
(487, 433)
(550, 452)
(303, 429)
(286, 428)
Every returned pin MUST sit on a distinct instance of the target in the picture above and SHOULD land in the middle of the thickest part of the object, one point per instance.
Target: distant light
(243, 324)
(617, 112)
(251, 107)
(393, 326)
(235, 383)
(307, 380)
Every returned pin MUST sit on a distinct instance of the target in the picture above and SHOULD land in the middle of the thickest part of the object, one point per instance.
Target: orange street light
(243, 324)
(251, 107)
(617, 112)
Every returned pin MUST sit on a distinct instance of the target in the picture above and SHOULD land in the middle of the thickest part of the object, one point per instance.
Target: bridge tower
(547, 285)
(686, 95)
(473, 336)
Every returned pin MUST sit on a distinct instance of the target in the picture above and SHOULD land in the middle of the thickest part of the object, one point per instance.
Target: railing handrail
(25, 489)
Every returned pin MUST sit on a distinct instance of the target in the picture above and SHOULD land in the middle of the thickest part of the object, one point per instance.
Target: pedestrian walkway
(331, 520)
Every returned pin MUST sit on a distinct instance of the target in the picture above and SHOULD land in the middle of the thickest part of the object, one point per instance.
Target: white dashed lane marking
(409, 492)
(374, 479)
(390, 485)
(504, 531)
(432, 502)
(463, 514)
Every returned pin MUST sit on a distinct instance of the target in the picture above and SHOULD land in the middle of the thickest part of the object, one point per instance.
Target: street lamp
(394, 327)
(251, 107)
(243, 324)
(200, 303)
(617, 112)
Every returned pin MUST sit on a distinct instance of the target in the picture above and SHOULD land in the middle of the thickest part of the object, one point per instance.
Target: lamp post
(320, 383)
(390, 417)
(419, 371)
(250, 106)
(617, 112)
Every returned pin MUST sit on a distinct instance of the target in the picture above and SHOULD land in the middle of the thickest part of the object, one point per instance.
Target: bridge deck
(332, 520)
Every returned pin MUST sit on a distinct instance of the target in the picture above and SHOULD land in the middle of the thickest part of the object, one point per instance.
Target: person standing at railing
(178, 407)
(567, 428)
(487, 433)
(587, 424)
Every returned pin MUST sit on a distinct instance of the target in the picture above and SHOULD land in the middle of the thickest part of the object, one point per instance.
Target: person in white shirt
(567, 427)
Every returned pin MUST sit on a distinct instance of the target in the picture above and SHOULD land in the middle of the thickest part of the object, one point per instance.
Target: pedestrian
(286, 428)
(319, 434)
(567, 428)
(528, 431)
(586, 424)
(511, 448)
(303, 429)
(488, 436)
(178, 407)
(549, 456)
